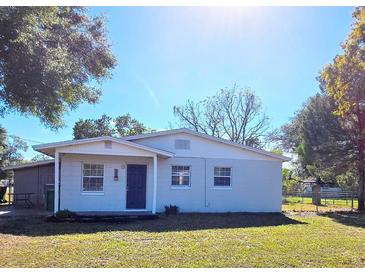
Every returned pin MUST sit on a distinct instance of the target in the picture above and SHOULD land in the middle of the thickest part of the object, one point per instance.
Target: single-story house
(34, 178)
(194, 171)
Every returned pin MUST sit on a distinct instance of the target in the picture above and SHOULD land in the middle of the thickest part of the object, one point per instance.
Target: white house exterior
(194, 171)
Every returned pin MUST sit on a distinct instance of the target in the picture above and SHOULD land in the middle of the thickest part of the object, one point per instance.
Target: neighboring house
(36, 178)
(329, 189)
(196, 172)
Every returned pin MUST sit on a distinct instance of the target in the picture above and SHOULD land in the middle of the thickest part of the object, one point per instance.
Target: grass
(294, 203)
(189, 240)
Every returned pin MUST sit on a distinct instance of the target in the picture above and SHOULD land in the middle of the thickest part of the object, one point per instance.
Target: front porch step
(107, 216)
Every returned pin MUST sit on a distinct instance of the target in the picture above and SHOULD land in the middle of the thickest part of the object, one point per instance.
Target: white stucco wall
(256, 179)
(113, 197)
(255, 186)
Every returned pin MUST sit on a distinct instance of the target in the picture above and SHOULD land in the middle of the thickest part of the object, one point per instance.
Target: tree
(123, 125)
(344, 80)
(315, 134)
(40, 157)
(291, 182)
(90, 128)
(10, 150)
(49, 59)
(235, 114)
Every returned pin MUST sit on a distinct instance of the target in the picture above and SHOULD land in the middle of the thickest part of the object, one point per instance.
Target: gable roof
(49, 147)
(209, 137)
(31, 164)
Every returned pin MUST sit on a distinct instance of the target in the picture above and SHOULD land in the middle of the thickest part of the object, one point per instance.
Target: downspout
(38, 187)
(59, 183)
(205, 183)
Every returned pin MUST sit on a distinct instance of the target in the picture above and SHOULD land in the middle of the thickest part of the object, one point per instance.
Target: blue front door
(136, 186)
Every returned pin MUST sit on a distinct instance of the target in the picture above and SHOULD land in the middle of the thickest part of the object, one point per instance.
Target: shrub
(65, 214)
(171, 209)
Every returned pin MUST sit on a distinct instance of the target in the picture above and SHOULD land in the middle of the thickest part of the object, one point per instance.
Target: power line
(27, 140)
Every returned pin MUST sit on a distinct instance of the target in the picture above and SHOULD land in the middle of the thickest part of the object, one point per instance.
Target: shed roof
(31, 164)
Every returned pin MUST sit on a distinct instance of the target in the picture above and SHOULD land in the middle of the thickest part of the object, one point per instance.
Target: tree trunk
(361, 170)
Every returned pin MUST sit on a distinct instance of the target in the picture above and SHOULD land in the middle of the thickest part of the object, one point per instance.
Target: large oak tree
(51, 59)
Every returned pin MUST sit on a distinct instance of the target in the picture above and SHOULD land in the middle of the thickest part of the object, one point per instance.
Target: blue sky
(167, 55)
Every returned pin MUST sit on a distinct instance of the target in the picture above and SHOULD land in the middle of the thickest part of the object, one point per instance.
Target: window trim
(91, 192)
(180, 186)
(230, 178)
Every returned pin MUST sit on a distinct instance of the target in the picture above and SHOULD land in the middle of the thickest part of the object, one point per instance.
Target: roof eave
(189, 131)
(26, 165)
(50, 146)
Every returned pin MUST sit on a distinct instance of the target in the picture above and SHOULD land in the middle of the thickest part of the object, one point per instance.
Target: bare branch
(235, 114)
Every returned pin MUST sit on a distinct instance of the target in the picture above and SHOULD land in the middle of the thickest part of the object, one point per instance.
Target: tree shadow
(36, 226)
(347, 218)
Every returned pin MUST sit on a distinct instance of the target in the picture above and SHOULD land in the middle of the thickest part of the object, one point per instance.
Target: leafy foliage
(344, 80)
(235, 114)
(123, 125)
(291, 182)
(315, 134)
(48, 59)
(40, 157)
(10, 150)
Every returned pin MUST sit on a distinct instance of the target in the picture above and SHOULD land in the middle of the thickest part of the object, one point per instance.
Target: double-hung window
(222, 176)
(92, 177)
(180, 176)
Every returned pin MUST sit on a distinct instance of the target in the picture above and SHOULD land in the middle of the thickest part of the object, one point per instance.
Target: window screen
(92, 177)
(222, 176)
(180, 176)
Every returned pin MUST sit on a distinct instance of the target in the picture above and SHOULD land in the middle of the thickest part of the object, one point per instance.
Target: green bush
(64, 214)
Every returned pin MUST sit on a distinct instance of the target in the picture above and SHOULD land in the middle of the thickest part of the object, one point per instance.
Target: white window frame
(223, 176)
(91, 192)
(181, 186)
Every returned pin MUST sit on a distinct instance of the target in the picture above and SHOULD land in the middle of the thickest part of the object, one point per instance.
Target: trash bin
(49, 192)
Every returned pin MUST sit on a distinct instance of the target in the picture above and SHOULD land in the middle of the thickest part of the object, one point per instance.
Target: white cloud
(149, 90)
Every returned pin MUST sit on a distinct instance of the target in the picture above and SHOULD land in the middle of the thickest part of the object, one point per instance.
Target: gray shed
(36, 178)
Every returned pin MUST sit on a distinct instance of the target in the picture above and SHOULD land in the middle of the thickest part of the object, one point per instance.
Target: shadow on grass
(347, 218)
(36, 226)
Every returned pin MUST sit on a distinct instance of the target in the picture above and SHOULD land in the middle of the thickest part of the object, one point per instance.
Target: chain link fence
(320, 201)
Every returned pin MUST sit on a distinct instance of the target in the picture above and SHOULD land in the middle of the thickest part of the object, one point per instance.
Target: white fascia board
(56, 145)
(209, 137)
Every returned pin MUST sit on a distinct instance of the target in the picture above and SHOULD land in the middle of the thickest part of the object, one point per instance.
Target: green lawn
(189, 240)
